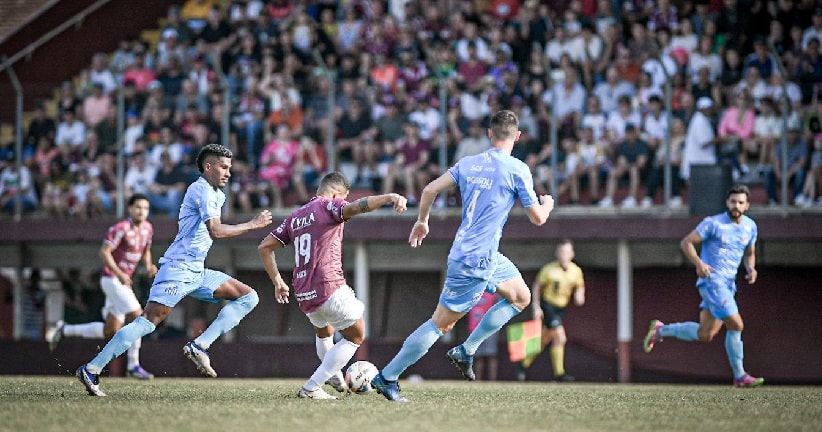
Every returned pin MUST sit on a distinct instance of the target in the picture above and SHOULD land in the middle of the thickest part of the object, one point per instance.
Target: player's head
(214, 161)
(138, 207)
(738, 201)
(504, 126)
(334, 184)
(565, 251)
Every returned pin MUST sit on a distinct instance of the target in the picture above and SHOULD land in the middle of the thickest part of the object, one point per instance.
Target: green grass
(181, 405)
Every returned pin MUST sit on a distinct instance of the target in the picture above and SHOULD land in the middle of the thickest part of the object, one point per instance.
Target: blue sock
(733, 346)
(414, 347)
(120, 343)
(228, 318)
(687, 331)
(491, 322)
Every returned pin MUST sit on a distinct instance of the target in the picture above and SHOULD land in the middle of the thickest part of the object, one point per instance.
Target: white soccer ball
(358, 376)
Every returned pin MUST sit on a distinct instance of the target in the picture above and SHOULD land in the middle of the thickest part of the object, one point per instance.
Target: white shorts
(120, 299)
(340, 311)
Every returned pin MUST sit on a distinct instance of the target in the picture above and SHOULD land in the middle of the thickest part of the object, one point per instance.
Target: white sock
(323, 345)
(334, 360)
(92, 330)
(133, 354)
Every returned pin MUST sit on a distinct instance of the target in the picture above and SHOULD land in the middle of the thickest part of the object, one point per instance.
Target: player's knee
(706, 336)
(249, 300)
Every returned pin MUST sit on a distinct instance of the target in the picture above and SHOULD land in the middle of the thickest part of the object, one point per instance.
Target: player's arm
(107, 255)
(538, 213)
(749, 260)
(579, 295)
(373, 202)
(536, 296)
(429, 194)
(151, 268)
(266, 250)
(688, 246)
(219, 230)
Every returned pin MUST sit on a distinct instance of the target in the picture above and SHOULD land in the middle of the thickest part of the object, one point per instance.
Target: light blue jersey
(489, 184)
(724, 243)
(201, 203)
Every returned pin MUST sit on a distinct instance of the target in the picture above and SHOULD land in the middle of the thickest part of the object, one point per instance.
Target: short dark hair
(136, 197)
(211, 150)
(739, 189)
(334, 178)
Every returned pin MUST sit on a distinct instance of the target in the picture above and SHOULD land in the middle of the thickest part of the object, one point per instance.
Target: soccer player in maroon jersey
(316, 231)
(126, 244)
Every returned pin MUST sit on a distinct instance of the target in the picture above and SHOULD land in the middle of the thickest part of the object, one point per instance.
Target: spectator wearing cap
(169, 47)
(16, 179)
(40, 126)
(700, 139)
(797, 152)
(814, 31)
(138, 73)
(631, 160)
(761, 58)
(100, 73)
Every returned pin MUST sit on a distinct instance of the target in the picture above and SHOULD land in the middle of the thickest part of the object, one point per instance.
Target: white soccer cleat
(90, 381)
(338, 382)
(54, 334)
(315, 394)
(199, 356)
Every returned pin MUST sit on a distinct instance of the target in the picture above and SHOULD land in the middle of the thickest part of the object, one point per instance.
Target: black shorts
(551, 315)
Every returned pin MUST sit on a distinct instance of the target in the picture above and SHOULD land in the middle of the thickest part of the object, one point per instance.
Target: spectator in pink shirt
(735, 126)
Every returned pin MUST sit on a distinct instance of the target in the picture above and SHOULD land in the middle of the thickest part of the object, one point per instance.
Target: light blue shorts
(718, 297)
(175, 281)
(464, 284)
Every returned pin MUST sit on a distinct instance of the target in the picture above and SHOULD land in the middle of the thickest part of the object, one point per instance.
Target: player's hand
(703, 270)
(751, 276)
(125, 280)
(152, 270)
(547, 201)
(400, 203)
(262, 219)
(281, 292)
(538, 314)
(418, 233)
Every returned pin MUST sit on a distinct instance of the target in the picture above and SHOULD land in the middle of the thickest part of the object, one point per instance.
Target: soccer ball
(358, 376)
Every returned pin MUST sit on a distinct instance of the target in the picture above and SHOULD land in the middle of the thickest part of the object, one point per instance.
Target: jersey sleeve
(524, 186)
(335, 209)
(282, 233)
(705, 228)
(114, 236)
(209, 204)
(754, 235)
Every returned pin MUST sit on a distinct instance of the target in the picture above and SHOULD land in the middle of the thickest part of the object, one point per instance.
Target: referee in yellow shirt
(553, 288)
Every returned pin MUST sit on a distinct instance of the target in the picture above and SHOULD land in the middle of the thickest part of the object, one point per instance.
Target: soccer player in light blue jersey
(727, 240)
(182, 272)
(489, 184)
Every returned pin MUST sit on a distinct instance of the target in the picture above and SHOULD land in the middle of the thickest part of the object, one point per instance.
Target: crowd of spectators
(596, 72)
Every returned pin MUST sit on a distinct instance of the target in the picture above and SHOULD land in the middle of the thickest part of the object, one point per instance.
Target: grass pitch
(198, 405)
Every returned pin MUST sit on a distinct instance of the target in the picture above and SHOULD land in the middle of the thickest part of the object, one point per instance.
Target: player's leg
(242, 300)
(735, 350)
(344, 311)
(515, 297)
(558, 355)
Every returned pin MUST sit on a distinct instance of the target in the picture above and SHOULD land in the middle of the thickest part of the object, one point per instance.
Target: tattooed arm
(373, 202)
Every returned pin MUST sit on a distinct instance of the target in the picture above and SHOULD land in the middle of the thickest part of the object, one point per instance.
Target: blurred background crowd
(393, 92)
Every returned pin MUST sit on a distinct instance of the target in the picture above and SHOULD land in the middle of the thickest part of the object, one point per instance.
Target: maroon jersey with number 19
(316, 231)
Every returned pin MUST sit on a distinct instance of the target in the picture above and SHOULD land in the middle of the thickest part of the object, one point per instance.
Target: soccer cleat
(315, 394)
(653, 335)
(748, 381)
(140, 373)
(54, 334)
(199, 356)
(90, 381)
(564, 378)
(389, 389)
(338, 382)
(463, 362)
